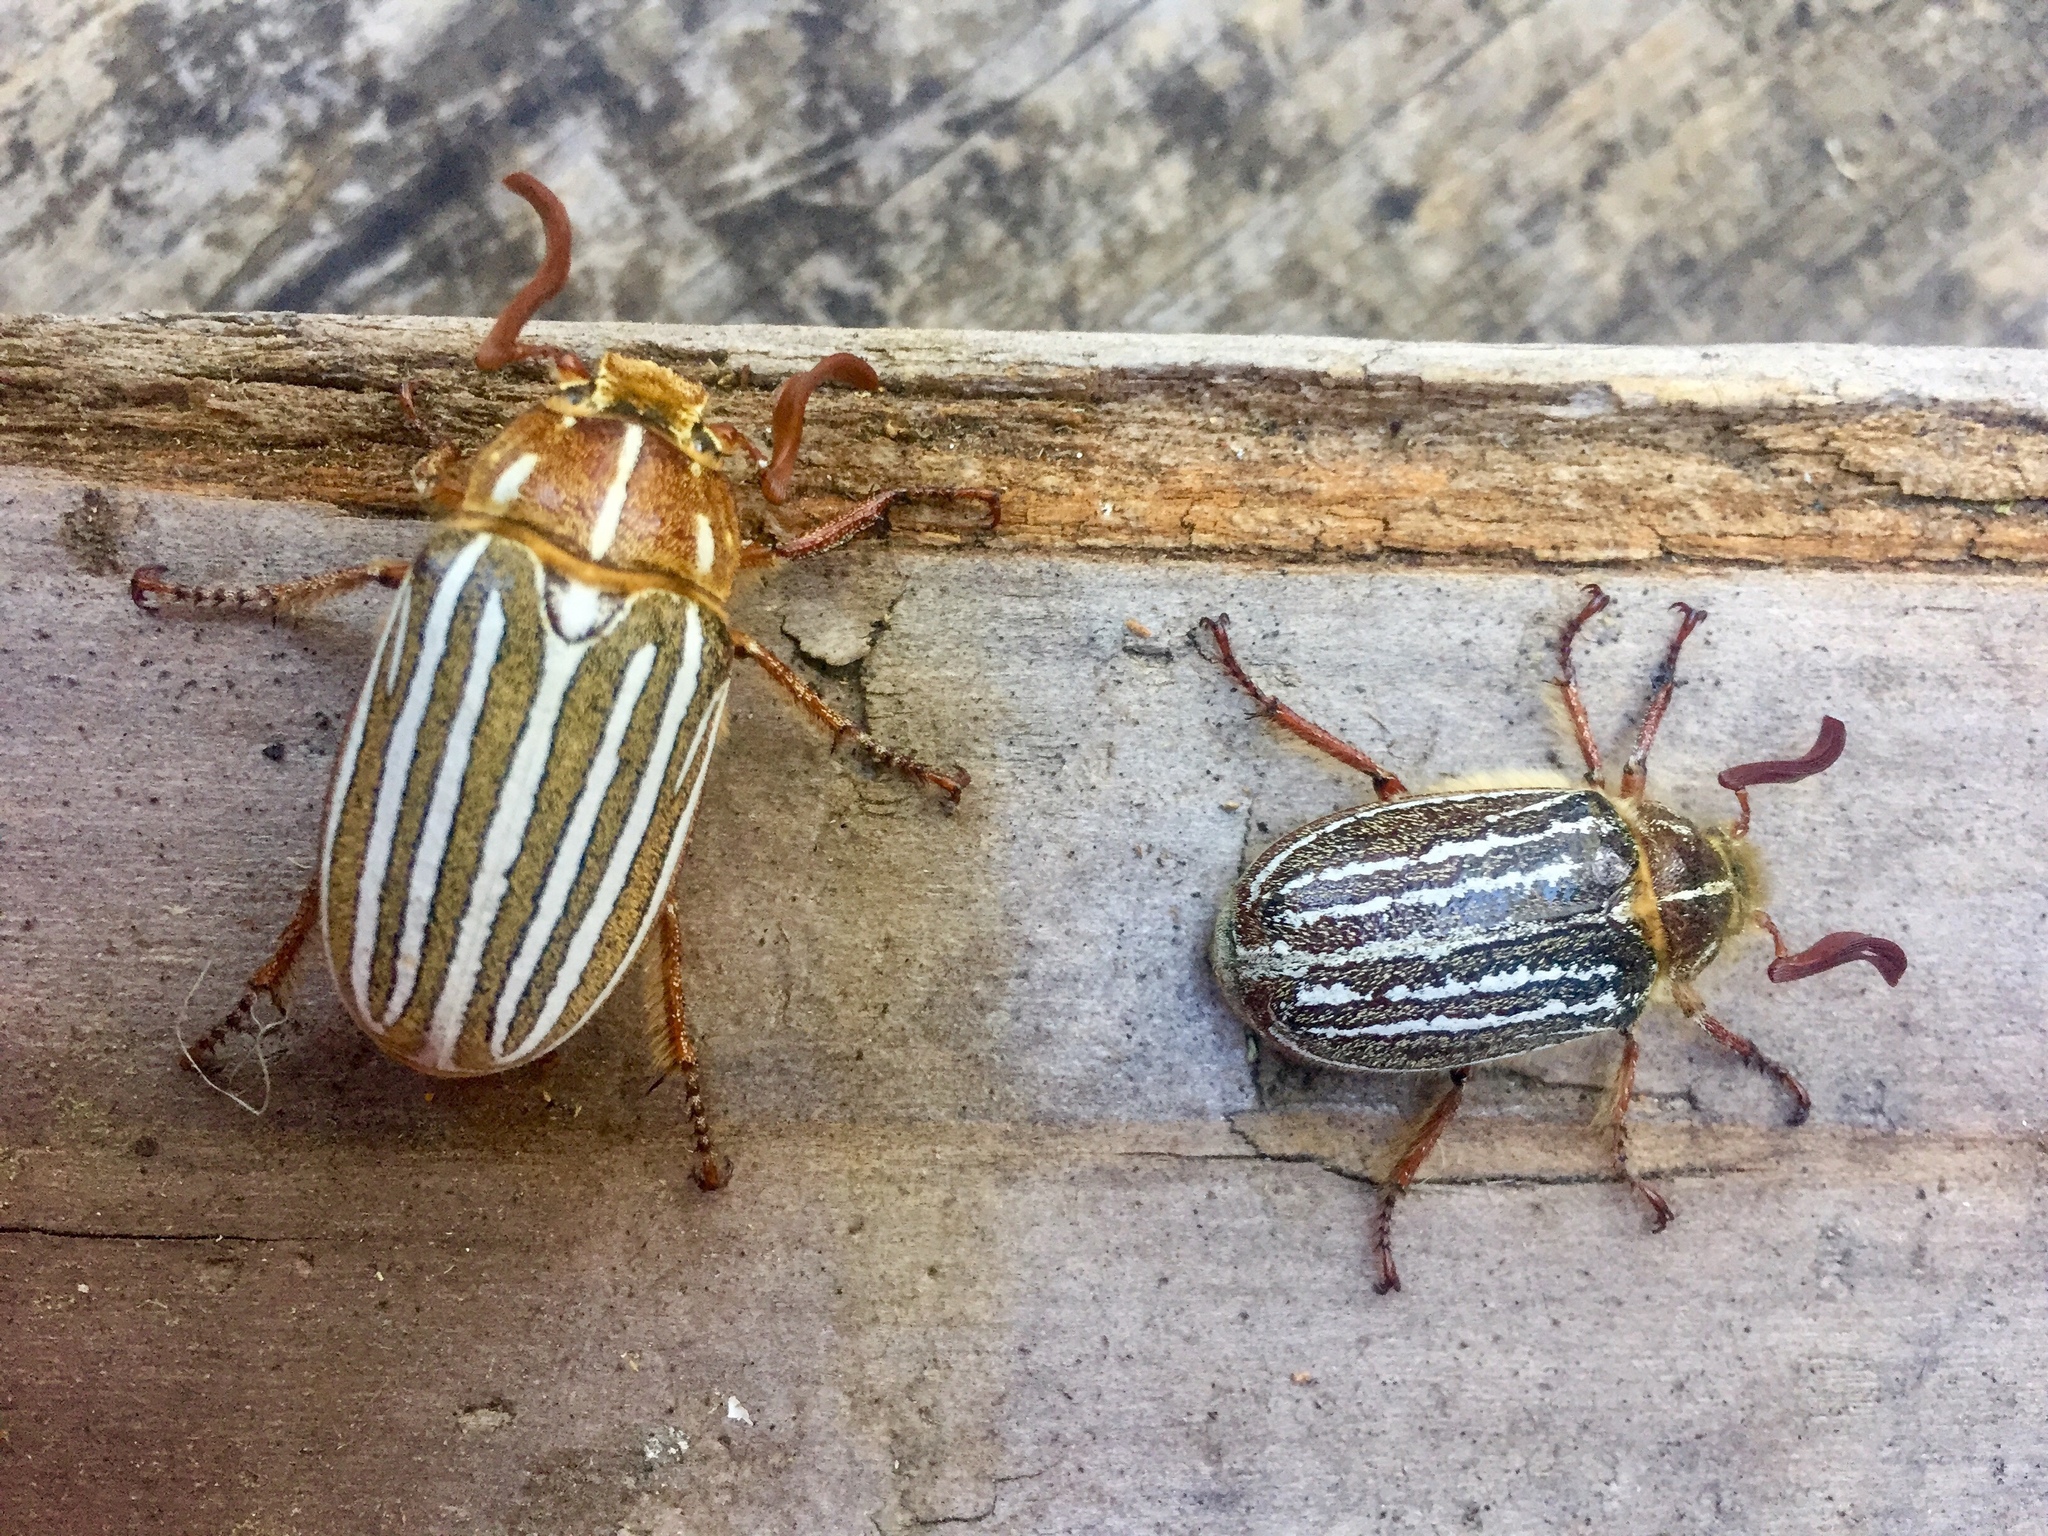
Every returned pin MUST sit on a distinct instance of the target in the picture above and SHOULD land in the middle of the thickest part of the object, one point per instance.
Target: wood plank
(1561, 170)
(1017, 1238)
(1244, 447)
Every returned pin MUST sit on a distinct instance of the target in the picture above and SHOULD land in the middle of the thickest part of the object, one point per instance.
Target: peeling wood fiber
(1288, 448)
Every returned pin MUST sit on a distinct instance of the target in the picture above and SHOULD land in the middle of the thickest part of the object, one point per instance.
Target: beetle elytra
(1434, 932)
(518, 777)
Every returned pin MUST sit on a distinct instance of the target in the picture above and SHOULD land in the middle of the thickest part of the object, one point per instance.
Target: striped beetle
(1438, 931)
(517, 780)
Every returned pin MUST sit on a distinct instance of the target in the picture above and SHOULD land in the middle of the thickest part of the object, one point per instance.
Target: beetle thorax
(616, 478)
(1706, 885)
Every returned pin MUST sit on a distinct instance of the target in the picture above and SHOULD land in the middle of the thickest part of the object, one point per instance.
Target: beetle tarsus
(843, 729)
(149, 591)
(874, 511)
(1663, 683)
(1413, 1151)
(1661, 1214)
(240, 1019)
(1567, 681)
(1746, 1049)
(1385, 785)
(1619, 1095)
(1383, 1243)
(678, 1051)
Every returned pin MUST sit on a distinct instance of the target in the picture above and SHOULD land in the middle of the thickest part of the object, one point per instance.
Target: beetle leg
(266, 981)
(850, 525)
(1415, 1147)
(1619, 1094)
(677, 1052)
(1802, 1102)
(1694, 1008)
(149, 591)
(435, 477)
(1384, 784)
(1662, 683)
(843, 729)
(1568, 682)
(731, 439)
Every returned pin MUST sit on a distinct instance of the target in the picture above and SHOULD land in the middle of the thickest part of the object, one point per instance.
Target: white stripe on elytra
(707, 546)
(1437, 853)
(512, 478)
(1434, 895)
(504, 838)
(1277, 855)
(439, 822)
(706, 737)
(573, 845)
(399, 750)
(583, 943)
(400, 617)
(1607, 1002)
(1281, 959)
(1336, 993)
(345, 765)
(606, 528)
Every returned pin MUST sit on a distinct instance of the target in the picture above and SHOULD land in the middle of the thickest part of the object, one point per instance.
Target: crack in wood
(83, 1234)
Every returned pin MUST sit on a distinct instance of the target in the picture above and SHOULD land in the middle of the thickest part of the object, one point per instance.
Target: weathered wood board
(1182, 445)
(1018, 1239)
(1549, 170)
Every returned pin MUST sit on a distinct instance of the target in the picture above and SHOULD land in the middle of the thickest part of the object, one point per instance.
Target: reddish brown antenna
(503, 345)
(1823, 755)
(1839, 949)
(788, 402)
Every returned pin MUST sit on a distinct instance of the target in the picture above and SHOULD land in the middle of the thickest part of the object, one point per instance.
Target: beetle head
(633, 388)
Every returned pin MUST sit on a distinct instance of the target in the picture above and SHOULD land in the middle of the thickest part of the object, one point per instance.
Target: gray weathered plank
(1017, 1238)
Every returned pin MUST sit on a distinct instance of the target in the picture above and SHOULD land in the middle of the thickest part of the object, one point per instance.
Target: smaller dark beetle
(1430, 933)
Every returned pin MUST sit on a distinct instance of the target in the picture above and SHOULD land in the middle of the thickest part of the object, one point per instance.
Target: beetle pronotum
(516, 783)
(1433, 932)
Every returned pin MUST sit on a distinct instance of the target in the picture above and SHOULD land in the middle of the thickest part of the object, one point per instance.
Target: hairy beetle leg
(1802, 1101)
(1415, 1147)
(436, 477)
(1619, 1094)
(1568, 682)
(875, 510)
(266, 981)
(843, 729)
(148, 589)
(1663, 682)
(1384, 784)
(677, 1052)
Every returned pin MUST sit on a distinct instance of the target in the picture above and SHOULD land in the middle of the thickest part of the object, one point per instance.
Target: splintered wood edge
(1295, 448)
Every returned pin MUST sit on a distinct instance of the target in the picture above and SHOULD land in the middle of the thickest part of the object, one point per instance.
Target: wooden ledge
(1278, 447)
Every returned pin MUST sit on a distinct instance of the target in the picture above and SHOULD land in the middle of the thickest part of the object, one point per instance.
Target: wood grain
(1017, 1240)
(1553, 170)
(1267, 448)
